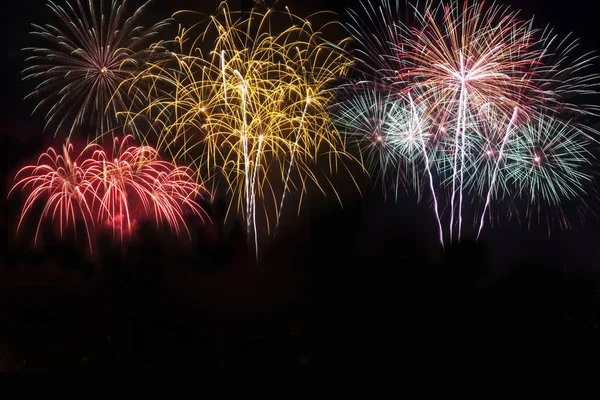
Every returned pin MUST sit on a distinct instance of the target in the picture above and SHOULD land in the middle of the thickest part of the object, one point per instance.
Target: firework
(549, 161)
(387, 134)
(374, 29)
(87, 57)
(563, 77)
(393, 136)
(137, 178)
(484, 85)
(245, 101)
(65, 183)
(464, 58)
(109, 192)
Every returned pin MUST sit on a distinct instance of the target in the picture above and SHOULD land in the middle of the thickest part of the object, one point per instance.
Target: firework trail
(428, 169)
(109, 192)
(392, 135)
(289, 171)
(495, 174)
(244, 97)
(87, 58)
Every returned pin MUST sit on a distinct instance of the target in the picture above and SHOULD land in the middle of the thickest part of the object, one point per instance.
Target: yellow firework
(244, 98)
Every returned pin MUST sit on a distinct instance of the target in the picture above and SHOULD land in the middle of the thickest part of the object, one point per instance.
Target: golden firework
(244, 97)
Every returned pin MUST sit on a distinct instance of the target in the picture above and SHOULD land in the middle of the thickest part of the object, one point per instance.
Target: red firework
(110, 192)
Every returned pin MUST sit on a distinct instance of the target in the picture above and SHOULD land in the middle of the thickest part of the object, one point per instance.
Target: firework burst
(549, 162)
(103, 191)
(66, 186)
(87, 57)
(483, 85)
(245, 100)
(387, 134)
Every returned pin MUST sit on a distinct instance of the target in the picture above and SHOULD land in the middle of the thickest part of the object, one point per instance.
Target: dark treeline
(342, 289)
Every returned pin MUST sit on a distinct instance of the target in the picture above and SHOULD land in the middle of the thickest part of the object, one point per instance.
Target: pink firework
(110, 192)
(66, 186)
(137, 180)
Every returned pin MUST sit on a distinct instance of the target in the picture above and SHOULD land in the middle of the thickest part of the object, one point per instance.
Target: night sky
(338, 285)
